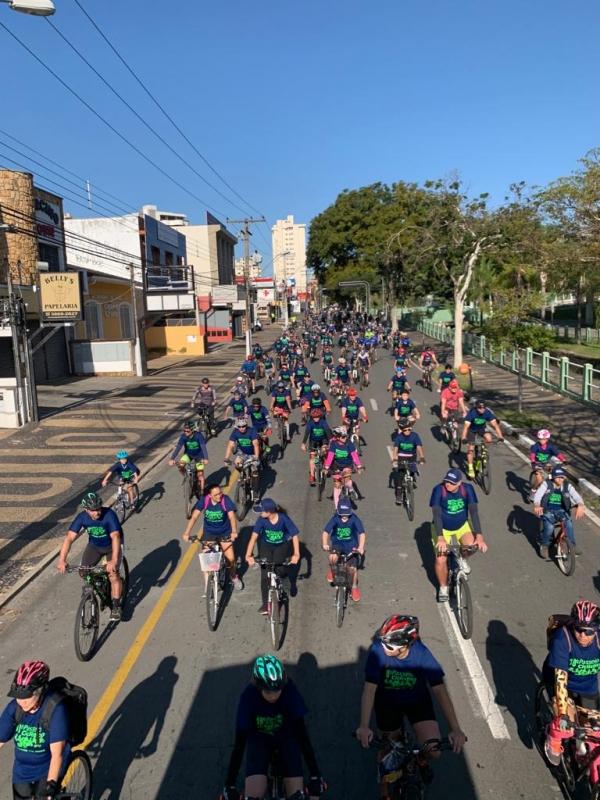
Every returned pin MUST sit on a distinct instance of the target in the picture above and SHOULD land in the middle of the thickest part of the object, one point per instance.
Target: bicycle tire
(241, 499)
(124, 574)
(136, 496)
(409, 498)
(565, 555)
(120, 510)
(77, 781)
(340, 605)
(320, 478)
(87, 620)
(455, 441)
(277, 618)
(542, 714)
(356, 441)
(188, 495)
(212, 602)
(485, 476)
(464, 607)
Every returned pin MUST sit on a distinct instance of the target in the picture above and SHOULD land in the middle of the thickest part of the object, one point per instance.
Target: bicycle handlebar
(438, 745)
(84, 568)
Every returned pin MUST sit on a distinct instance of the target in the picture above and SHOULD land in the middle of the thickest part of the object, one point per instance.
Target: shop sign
(61, 298)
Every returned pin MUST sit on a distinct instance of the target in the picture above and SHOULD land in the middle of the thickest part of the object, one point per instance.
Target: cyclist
(408, 447)
(105, 539)
(126, 471)
(353, 409)
(542, 454)
(363, 362)
(405, 408)
(205, 402)
(342, 372)
(474, 426)
(317, 433)
(220, 525)
(40, 755)
(453, 503)
(248, 370)
(427, 359)
(402, 360)
(281, 404)
(278, 540)
(285, 373)
(244, 440)
(444, 378)
(269, 367)
(341, 457)
(327, 363)
(398, 383)
(237, 405)
(240, 386)
(304, 394)
(404, 340)
(345, 533)
(401, 675)
(194, 451)
(270, 717)
(300, 373)
(316, 399)
(452, 406)
(570, 673)
(261, 422)
(553, 502)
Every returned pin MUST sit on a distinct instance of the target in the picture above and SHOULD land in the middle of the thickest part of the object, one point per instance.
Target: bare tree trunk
(543, 281)
(579, 302)
(519, 383)
(461, 288)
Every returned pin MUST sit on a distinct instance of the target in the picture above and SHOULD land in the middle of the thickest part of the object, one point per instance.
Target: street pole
(137, 344)
(23, 415)
(245, 234)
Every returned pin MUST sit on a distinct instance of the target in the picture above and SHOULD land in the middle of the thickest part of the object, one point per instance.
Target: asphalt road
(163, 688)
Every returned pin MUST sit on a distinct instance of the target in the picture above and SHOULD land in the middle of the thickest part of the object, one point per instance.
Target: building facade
(254, 269)
(289, 255)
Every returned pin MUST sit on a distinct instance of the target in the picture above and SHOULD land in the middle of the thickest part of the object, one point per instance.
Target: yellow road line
(114, 687)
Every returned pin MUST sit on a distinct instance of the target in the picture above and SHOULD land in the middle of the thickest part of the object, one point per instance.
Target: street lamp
(39, 8)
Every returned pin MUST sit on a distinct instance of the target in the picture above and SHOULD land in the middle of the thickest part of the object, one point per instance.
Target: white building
(255, 268)
(289, 254)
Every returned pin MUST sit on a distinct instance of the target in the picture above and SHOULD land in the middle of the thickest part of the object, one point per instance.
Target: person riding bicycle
(397, 383)
(453, 503)
(124, 469)
(269, 366)
(327, 360)
(303, 393)
(205, 401)
(271, 718)
(261, 422)
(363, 362)
(408, 448)
(237, 405)
(342, 372)
(281, 404)
(277, 538)
(553, 501)
(404, 407)
(452, 405)
(341, 457)
(220, 525)
(318, 434)
(244, 440)
(248, 369)
(402, 678)
(300, 373)
(427, 360)
(476, 421)
(285, 373)
(258, 353)
(105, 540)
(345, 533)
(194, 451)
(353, 410)
(241, 386)
(570, 672)
(444, 378)
(404, 340)
(40, 755)
(542, 454)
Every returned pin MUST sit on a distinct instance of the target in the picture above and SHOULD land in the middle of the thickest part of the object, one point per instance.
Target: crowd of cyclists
(321, 369)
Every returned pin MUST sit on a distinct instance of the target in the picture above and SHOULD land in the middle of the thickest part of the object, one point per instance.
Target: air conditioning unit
(43, 266)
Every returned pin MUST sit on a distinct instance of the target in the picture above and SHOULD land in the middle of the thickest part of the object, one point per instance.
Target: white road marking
(374, 405)
(480, 693)
(390, 451)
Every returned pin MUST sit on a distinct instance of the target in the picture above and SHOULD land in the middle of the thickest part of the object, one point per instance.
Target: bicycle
(122, 503)
(451, 433)
(320, 475)
(354, 435)
(458, 585)
(282, 433)
(363, 377)
(246, 487)
(327, 375)
(481, 465)
(203, 422)
(580, 759)
(401, 766)
(277, 602)
(95, 597)
(562, 549)
(405, 486)
(219, 585)
(342, 581)
(426, 380)
(189, 485)
(76, 783)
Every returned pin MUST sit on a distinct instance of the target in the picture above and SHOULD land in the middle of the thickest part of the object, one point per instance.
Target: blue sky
(293, 102)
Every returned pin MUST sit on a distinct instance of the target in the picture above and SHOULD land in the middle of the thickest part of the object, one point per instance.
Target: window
(93, 320)
(49, 254)
(126, 319)
(155, 252)
(168, 258)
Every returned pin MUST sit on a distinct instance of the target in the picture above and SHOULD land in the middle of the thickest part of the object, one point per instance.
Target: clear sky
(293, 102)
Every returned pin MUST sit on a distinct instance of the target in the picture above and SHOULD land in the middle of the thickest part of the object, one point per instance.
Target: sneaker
(330, 575)
(543, 551)
(470, 471)
(237, 583)
(263, 609)
(443, 594)
(213, 431)
(464, 565)
(116, 613)
(552, 755)
(355, 594)
(312, 481)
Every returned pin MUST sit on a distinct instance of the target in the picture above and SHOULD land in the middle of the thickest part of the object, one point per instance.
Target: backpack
(463, 491)
(557, 622)
(207, 503)
(566, 497)
(75, 700)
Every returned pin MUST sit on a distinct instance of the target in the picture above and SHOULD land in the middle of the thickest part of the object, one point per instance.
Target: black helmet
(92, 502)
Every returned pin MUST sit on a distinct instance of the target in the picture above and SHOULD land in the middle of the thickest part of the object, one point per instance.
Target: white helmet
(543, 434)
(315, 387)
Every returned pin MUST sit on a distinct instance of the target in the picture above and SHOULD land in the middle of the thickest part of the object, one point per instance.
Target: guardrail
(579, 381)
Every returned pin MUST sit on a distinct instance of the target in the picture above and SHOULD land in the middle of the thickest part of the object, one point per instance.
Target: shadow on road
(154, 569)
(517, 483)
(150, 494)
(521, 521)
(423, 540)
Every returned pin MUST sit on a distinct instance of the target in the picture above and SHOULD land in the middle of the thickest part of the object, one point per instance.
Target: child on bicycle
(125, 470)
(345, 533)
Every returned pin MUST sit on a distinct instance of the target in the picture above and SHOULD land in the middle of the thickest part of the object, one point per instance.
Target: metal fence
(580, 381)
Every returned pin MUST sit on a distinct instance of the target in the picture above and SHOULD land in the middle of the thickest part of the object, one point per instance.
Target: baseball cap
(453, 476)
(267, 505)
(559, 472)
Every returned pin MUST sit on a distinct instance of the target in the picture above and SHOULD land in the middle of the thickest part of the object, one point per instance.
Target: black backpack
(75, 699)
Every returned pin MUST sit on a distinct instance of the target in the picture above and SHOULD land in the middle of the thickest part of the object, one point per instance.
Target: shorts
(449, 535)
(212, 536)
(474, 436)
(346, 548)
(93, 554)
(391, 718)
(261, 748)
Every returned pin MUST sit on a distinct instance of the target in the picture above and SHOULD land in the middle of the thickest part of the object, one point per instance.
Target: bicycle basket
(210, 562)
(341, 576)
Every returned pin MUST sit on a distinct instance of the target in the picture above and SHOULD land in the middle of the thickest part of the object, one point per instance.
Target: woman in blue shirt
(345, 533)
(278, 541)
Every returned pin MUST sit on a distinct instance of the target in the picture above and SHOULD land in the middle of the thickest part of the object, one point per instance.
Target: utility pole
(245, 233)
(140, 364)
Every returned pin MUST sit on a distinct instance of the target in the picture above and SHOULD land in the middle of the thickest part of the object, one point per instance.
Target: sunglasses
(585, 631)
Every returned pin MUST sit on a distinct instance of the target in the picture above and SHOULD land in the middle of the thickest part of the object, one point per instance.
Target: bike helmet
(122, 454)
(268, 673)
(453, 384)
(316, 412)
(256, 401)
(191, 426)
(585, 613)
(344, 507)
(92, 502)
(239, 379)
(280, 385)
(543, 434)
(404, 423)
(205, 381)
(31, 676)
(242, 422)
(341, 430)
(351, 392)
(399, 630)
(315, 387)
(342, 360)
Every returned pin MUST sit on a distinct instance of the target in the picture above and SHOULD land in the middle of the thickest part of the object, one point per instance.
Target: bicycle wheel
(277, 618)
(281, 436)
(565, 555)
(87, 623)
(357, 443)
(241, 499)
(136, 496)
(77, 781)
(464, 607)
(120, 510)
(340, 605)
(543, 714)
(320, 478)
(455, 441)
(409, 498)
(485, 476)
(212, 601)
(124, 573)
(189, 499)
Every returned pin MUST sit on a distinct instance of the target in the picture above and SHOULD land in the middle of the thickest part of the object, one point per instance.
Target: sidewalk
(47, 468)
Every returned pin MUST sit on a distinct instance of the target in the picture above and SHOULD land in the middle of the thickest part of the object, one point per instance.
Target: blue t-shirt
(259, 418)
(342, 452)
(543, 454)
(194, 446)
(126, 470)
(216, 519)
(249, 367)
(344, 534)
(479, 421)
(407, 445)
(404, 407)
(454, 505)
(274, 533)
(317, 433)
(300, 373)
(239, 407)
(280, 398)
(32, 741)
(446, 376)
(98, 530)
(352, 407)
(343, 374)
(582, 663)
(402, 682)
(244, 440)
(398, 382)
(257, 715)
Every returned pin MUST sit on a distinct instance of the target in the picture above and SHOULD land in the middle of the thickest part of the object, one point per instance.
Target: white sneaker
(551, 755)
(443, 594)
(464, 565)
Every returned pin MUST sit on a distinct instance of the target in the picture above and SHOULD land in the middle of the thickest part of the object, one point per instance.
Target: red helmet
(316, 412)
(586, 613)
(453, 384)
(351, 392)
(399, 630)
(31, 676)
